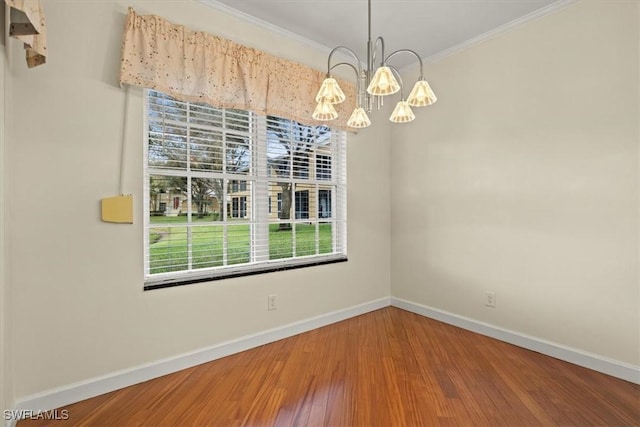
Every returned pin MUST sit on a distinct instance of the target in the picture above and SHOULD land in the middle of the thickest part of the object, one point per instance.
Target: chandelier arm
(345, 63)
(351, 52)
(379, 41)
(408, 51)
(358, 72)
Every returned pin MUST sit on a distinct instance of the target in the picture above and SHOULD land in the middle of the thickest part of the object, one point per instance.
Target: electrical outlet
(272, 302)
(490, 299)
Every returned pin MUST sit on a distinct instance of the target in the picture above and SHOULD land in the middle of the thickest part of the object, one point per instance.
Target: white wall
(523, 180)
(79, 309)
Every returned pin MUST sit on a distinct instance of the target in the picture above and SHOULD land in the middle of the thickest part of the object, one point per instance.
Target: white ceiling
(430, 27)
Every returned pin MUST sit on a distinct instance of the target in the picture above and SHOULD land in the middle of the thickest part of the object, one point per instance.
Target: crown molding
(525, 19)
(221, 7)
(250, 19)
(547, 10)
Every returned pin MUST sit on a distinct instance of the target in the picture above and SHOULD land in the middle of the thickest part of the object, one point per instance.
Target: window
(323, 167)
(239, 209)
(301, 165)
(324, 204)
(210, 177)
(235, 186)
(279, 205)
(302, 204)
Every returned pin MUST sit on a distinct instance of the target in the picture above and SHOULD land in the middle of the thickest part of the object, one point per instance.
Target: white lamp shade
(359, 119)
(330, 92)
(421, 95)
(383, 82)
(324, 111)
(402, 113)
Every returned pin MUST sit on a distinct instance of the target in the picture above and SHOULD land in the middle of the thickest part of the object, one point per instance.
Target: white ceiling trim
(221, 7)
(250, 19)
(537, 14)
(547, 10)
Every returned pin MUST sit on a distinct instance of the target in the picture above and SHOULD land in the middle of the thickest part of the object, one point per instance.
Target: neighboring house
(300, 153)
(305, 203)
(167, 204)
(174, 202)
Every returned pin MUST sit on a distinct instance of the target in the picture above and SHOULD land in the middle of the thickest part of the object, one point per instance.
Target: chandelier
(386, 80)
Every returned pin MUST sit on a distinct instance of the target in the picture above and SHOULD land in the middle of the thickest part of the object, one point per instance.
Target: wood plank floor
(385, 368)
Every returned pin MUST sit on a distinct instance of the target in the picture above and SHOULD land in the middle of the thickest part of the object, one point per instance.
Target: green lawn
(169, 245)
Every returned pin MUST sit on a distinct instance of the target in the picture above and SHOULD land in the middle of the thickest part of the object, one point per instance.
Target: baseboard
(595, 362)
(76, 392)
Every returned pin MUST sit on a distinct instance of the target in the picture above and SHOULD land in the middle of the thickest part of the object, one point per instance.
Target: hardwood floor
(385, 368)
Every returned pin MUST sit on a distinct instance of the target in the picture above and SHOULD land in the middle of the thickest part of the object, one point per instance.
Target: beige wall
(523, 180)
(79, 309)
(6, 397)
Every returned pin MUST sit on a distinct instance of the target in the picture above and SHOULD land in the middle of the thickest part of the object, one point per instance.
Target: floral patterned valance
(200, 67)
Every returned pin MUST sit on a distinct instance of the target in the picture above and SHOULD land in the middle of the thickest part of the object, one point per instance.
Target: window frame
(257, 181)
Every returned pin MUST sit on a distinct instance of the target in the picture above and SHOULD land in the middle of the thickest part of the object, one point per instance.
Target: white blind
(229, 192)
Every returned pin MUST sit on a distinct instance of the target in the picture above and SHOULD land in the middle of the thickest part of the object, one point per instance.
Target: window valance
(27, 24)
(199, 67)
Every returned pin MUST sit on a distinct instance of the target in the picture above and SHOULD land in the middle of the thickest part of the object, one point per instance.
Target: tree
(294, 142)
(203, 190)
(178, 129)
